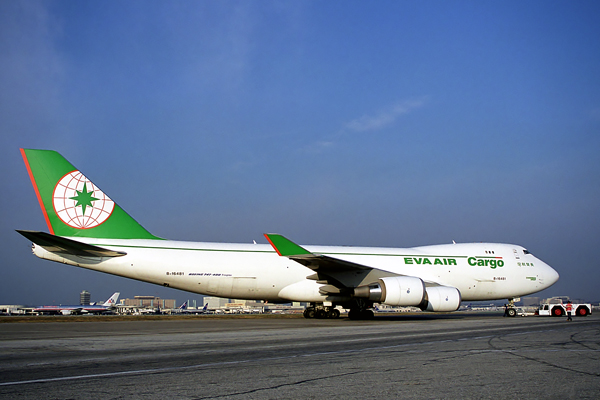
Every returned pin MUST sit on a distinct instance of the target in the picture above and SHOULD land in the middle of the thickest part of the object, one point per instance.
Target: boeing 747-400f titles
(108, 306)
(89, 230)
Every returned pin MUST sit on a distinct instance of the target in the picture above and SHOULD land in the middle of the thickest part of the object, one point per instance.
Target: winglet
(285, 247)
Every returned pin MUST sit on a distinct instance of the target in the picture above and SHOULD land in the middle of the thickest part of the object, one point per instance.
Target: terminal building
(148, 301)
(144, 304)
(236, 306)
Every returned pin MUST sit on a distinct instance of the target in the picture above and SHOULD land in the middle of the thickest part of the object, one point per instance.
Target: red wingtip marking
(37, 192)
(269, 239)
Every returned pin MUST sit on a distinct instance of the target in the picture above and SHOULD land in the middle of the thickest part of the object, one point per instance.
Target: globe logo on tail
(79, 203)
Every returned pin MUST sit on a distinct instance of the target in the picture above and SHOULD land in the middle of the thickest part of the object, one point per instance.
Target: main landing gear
(321, 312)
(361, 309)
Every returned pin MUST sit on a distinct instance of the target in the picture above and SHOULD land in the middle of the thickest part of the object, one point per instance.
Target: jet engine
(441, 298)
(394, 291)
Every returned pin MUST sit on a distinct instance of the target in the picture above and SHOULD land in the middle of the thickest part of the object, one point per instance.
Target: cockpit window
(525, 251)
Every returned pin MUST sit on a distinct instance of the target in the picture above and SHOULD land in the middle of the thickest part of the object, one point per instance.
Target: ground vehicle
(558, 310)
(524, 313)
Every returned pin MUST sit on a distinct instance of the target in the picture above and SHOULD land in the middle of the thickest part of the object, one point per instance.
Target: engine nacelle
(441, 298)
(394, 291)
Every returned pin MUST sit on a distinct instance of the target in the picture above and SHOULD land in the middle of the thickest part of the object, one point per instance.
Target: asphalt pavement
(419, 356)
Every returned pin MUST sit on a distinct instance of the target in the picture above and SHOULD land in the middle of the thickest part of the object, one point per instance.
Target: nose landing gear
(509, 309)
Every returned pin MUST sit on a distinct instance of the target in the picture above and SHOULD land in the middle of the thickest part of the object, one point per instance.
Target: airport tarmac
(417, 356)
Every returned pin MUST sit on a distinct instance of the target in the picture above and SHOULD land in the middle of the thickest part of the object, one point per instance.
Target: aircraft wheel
(353, 314)
(511, 312)
(335, 313)
(309, 313)
(320, 314)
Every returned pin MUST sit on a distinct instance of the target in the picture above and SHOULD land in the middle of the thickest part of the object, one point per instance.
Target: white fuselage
(480, 271)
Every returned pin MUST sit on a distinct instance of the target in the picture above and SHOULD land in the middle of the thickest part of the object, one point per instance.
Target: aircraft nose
(550, 275)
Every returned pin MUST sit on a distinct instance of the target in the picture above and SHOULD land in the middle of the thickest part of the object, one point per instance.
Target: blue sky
(346, 123)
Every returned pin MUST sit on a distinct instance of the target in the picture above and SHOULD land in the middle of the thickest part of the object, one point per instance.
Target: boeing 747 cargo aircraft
(88, 229)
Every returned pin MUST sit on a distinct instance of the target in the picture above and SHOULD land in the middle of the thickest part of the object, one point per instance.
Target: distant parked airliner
(89, 230)
(107, 306)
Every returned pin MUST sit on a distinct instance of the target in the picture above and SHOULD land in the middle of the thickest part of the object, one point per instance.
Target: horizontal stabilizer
(58, 244)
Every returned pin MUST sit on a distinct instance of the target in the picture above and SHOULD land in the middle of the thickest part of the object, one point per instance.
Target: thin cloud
(384, 118)
(366, 123)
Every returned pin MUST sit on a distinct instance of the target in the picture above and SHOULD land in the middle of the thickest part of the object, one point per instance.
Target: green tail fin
(72, 204)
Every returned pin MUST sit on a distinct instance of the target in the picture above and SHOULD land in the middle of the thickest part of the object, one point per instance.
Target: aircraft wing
(58, 244)
(339, 275)
(317, 262)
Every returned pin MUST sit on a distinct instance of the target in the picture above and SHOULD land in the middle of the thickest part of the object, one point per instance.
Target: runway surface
(421, 356)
